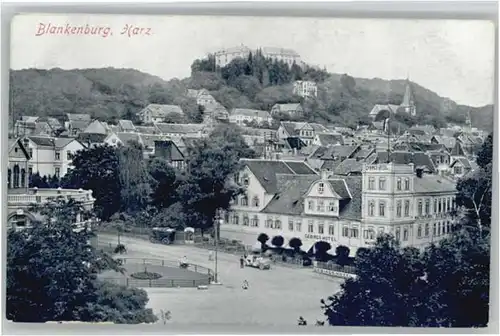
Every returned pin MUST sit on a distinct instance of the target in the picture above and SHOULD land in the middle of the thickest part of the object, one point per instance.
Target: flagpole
(387, 121)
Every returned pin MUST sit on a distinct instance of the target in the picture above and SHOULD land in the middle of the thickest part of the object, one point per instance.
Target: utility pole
(217, 222)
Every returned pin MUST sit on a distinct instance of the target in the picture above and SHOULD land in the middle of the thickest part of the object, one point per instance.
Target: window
(380, 230)
(310, 205)
(354, 232)
(244, 200)
(398, 209)
(321, 228)
(458, 170)
(277, 224)
(30, 171)
(405, 234)
(321, 188)
(434, 229)
(321, 206)
(58, 156)
(236, 219)
(269, 223)
(298, 226)
(381, 183)
(290, 225)
(332, 207)
(57, 171)
(453, 204)
(398, 183)
(369, 234)
(371, 183)
(427, 206)
(30, 152)
(246, 180)
(440, 205)
(407, 184)
(246, 220)
(331, 230)
(69, 157)
(419, 231)
(407, 208)
(427, 230)
(371, 208)
(419, 209)
(235, 201)
(398, 233)
(435, 205)
(345, 231)
(255, 221)
(310, 226)
(381, 209)
(448, 204)
(439, 226)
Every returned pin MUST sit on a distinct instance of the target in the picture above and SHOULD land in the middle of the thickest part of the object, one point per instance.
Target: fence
(205, 281)
(335, 267)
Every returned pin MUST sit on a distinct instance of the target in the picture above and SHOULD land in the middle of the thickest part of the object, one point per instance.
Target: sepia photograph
(244, 171)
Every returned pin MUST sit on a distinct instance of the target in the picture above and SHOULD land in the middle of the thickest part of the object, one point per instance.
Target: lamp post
(218, 221)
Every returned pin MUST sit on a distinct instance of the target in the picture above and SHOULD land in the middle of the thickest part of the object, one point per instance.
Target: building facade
(342, 210)
(305, 88)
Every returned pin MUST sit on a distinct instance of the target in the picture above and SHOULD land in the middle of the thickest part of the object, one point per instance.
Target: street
(275, 297)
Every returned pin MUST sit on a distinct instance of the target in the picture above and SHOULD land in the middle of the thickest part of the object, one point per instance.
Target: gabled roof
(447, 141)
(327, 139)
(96, 127)
(433, 183)
(419, 159)
(465, 163)
(250, 113)
(79, 125)
(168, 149)
(13, 142)
(288, 107)
(148, 140)
(93, 138)
(146, 129)
(161, 110)
(363, 153)
(349, 166)
(458, 150)
(179, 128)
(340, 187)
(29, 119)
(126, 125)
(428, 129)
(266, 170)
(335, 151)
(381, 107)
(63, 142)
(43, 141)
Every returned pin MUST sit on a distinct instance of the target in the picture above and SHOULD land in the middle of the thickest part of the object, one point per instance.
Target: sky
(453, 58)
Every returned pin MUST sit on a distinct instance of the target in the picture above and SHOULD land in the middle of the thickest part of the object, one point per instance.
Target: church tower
(408, 103)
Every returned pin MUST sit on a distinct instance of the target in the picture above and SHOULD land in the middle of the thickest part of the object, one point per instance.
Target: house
(203, 97)
(52, 156)
(125, 138)
(97, 139)
(408, 104)
(292, 110)
(391, 108)
(342, 210)
(126, 126)
(96, 127)
(215, 113)
(327, 158)
(76, 123)
(306, 131)
(224, 56)
(146, 129)
(182, 130)
(242, 116)
(447, 141)
(18, 164)
(460, 167)
(148, 142)
(169, 151)
(156, 113)
(419, 160)
(328, 139)
(305, 89)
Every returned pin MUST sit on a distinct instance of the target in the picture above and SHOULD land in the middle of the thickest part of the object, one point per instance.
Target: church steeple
(408, 103)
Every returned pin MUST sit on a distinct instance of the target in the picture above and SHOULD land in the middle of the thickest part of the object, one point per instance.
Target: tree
(52, 274)
(295, 243)
(278, 241)
(322, 248)
(229, 138)
(262, 239)
(360, 252)
(342, 253)
(164, 183)
(35, 180)
(134, 178)
(97, 169)
(207, 187)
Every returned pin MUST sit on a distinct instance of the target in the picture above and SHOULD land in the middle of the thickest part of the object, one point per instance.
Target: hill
(110, 94)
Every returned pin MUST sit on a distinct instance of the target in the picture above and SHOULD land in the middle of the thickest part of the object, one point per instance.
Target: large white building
(290, 199)
(225, 56)
(305, 88)
(51, 156)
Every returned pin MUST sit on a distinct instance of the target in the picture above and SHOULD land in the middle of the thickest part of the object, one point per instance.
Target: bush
(342, 253)
(295, 243)
(120, 248)
(146, 275)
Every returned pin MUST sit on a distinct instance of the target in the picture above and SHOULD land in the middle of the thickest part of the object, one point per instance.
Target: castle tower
(408, 103)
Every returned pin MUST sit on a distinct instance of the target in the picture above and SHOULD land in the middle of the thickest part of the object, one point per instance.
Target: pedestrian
(242, 262)
(245, 285)
(210, 256)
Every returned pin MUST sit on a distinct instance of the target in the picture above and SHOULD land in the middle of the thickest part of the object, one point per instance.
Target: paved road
(276, 297)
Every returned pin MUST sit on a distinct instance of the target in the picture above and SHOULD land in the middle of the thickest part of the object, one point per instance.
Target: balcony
(25, 197)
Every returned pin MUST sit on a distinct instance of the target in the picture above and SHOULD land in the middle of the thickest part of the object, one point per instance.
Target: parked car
(162, 235)
(258, 261)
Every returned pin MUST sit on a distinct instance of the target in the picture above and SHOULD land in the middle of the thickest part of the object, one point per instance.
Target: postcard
(239, 171)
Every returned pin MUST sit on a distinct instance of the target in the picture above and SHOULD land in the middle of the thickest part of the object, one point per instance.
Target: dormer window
(321, 188)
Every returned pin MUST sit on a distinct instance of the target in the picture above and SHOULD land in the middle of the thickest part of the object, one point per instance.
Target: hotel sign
(319, 237)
